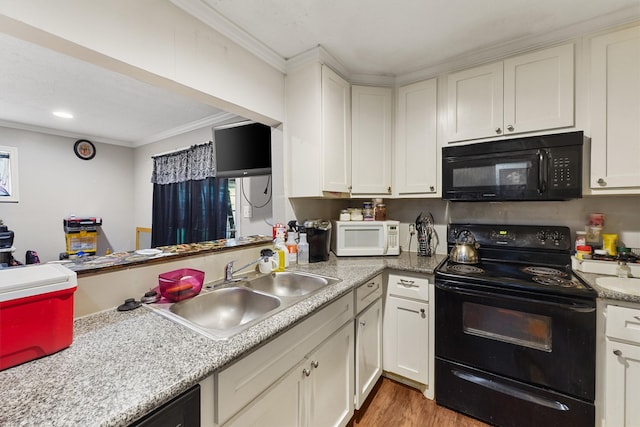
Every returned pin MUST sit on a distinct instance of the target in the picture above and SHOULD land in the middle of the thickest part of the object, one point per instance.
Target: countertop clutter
(122, 365)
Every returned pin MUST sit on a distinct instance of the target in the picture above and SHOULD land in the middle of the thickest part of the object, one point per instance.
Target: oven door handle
(581, 308)
(509, 390)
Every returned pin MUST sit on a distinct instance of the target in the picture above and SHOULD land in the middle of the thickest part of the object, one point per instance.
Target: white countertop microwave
(365, 238)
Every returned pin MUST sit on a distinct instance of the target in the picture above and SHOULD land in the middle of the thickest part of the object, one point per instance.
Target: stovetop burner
(465, 269)
(544, 271)
(556, 281)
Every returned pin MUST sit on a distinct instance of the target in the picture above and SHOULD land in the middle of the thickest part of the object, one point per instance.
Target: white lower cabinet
(405, 338)
(317, 392)
(368, 350)
(304, 377)
(328, 387)
(622, 367)
(408, 329)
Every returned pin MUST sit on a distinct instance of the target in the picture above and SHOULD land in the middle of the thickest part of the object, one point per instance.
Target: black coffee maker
(6, 243)
(319, 238)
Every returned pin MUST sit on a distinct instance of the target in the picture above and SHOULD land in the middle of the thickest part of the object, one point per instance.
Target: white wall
(54, 183)
(156, 42)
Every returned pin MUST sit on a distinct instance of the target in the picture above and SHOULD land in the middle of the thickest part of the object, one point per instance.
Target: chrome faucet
(229, 270)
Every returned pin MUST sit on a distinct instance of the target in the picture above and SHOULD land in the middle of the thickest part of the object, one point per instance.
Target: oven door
(520, 175)
(546, 342)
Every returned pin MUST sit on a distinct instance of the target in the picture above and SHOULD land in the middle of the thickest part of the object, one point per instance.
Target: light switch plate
(246, 211)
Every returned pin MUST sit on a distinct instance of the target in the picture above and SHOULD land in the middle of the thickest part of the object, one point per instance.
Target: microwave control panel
(393, 236)
(565, 170)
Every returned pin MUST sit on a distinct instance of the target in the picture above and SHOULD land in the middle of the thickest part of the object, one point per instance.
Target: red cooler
(36, 312)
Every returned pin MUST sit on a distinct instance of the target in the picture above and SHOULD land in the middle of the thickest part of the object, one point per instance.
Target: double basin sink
(235, 306)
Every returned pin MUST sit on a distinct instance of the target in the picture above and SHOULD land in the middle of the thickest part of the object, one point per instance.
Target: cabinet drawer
(623, 323)
(368, 293)
(243, 381)
(416, 287)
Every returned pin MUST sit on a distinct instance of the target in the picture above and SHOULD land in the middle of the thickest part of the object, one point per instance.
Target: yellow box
(82, 241)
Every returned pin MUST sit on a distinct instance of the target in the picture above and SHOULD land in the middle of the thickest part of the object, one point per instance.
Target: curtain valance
(194, 163)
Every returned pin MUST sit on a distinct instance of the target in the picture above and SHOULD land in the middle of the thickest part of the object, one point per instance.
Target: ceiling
(367, 37)
(393, 38)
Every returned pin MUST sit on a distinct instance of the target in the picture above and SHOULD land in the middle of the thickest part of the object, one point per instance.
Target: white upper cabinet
(336, 132)
(615, 110)
(318, 146)
(416, 148)
(371, 140)
(527, 93)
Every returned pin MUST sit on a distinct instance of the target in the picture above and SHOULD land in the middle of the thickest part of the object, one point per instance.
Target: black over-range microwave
(547, 167)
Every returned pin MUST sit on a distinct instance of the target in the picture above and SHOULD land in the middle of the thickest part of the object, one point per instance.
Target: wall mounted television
(242, 149)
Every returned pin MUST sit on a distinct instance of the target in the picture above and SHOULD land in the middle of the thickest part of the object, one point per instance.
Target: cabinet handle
(389, 189)
(432, 188)
(498, 131)
(371, 284)
(422, 311)
(350, 188)
(617, 353)
(407, 283)
(601, 182)
(510, 128)
(315, 363)
(306, 372)
(363, 323)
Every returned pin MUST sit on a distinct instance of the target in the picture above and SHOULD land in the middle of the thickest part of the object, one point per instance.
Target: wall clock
(84, 149)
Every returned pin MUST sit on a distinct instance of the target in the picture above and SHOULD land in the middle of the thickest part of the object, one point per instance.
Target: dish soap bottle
(623, 269)
(281, 252)
(303, 249)
(292, 248)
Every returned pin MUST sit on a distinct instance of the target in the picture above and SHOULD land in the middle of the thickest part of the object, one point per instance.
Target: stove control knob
(541, 235)
(557, 236)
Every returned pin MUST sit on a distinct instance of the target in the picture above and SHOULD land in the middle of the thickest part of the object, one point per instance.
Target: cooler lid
(20, 282)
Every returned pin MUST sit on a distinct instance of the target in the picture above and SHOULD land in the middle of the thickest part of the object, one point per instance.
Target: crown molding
(188, 127)
(221, 118)
(63, 133)
(321, 55)
(202, 11)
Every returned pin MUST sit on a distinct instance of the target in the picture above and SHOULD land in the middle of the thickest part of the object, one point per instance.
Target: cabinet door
(406, 339)
(336, 132)
(368, 350)
(331, 380)
(475, 103)
(538, 90)
(622, 382)
(615, 109)
(281, 405)
(416, 166)
(371, 140)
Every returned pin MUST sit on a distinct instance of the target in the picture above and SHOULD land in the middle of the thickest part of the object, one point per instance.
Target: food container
(345, 215)
(610, 243)
(181, 284)
(36, 308)
(583, 252)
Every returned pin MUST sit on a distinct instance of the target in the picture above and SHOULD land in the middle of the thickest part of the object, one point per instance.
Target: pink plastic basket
(178, 285)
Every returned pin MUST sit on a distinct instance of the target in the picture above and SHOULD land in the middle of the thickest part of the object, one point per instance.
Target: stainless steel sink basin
(226, 308)
(289, 284)
(226, 311)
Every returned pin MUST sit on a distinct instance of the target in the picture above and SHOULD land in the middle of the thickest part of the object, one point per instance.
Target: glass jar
(381, 212)
(367, 211)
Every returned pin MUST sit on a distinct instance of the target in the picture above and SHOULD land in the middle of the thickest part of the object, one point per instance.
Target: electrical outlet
(246, 211)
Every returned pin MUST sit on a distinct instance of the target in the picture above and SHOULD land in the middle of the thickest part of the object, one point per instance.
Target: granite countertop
(119, 260)
(122, 365)
(605, 293)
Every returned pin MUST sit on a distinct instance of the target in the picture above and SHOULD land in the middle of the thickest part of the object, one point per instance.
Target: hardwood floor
(396, 405)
